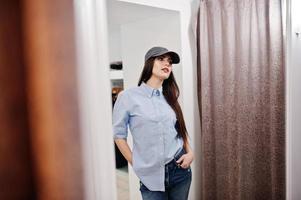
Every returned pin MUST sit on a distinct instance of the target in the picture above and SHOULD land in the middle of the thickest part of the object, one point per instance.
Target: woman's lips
(165, 70)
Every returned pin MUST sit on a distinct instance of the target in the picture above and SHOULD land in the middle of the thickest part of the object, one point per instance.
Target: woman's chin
(165, 76)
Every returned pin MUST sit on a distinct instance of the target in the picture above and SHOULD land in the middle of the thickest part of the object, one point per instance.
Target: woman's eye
(162, 58)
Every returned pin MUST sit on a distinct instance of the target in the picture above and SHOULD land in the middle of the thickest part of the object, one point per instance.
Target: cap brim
(174, 57)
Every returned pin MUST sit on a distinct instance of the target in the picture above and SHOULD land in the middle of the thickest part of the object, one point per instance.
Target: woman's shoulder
(129, 91)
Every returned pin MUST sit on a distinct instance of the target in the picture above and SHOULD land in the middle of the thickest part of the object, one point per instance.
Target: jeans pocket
(182, 172)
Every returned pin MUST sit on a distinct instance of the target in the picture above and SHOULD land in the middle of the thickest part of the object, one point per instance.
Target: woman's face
(162, 67)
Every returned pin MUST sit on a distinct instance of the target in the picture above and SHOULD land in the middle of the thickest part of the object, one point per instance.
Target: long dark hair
(171, 93)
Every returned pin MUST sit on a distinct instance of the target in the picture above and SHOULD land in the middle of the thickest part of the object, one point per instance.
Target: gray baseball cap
(158, 51)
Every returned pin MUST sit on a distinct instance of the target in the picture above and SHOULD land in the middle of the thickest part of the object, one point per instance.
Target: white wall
(293, 111)
(190, 97)
(114, 45)
(137, 38)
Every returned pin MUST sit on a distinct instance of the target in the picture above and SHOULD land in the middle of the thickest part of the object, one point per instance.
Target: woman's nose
(166, 62)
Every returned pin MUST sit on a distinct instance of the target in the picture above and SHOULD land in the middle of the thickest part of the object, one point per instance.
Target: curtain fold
(241, 99)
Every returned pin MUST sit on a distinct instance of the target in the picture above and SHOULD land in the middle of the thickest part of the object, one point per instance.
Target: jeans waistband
(178, 155)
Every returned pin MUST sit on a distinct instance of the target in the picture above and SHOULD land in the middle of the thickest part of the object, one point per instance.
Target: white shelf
(116, 74)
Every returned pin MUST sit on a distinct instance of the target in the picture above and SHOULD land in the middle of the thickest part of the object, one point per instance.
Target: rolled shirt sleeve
(120, 117)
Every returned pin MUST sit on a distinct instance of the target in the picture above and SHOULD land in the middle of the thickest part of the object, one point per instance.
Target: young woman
(161, 154)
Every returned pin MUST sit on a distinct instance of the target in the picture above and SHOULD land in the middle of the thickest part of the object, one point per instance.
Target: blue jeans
(177, 183)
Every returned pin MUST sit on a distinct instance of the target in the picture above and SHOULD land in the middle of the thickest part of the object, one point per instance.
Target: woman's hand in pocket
(185, 160)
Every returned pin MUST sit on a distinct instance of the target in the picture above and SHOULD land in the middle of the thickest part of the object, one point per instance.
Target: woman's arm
(186, 159)
(124, 149)
(187, 147)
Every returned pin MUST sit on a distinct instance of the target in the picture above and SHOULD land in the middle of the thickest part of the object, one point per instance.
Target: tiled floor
(122, 183)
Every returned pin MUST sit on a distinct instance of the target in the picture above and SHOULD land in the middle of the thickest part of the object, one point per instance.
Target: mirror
(133, 29)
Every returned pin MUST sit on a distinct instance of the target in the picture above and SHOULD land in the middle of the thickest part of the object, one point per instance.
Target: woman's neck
(154, 82)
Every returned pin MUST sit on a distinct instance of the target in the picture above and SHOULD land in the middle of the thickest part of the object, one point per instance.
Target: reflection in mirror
(133, 29)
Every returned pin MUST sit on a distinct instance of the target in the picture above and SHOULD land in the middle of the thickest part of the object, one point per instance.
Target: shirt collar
(151, 91)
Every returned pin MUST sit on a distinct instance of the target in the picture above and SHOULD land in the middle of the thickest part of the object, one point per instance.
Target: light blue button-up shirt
(152, 124)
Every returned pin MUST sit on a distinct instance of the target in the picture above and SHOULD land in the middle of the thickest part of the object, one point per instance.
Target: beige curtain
(241, 99)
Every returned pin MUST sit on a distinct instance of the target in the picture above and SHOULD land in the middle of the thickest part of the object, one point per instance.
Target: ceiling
(122, 13)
